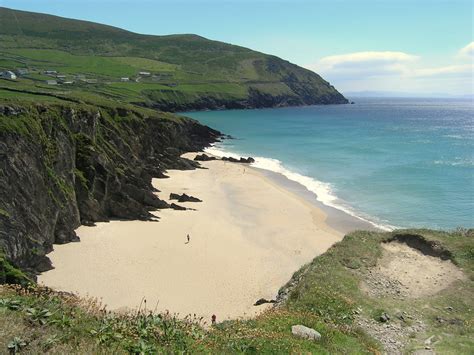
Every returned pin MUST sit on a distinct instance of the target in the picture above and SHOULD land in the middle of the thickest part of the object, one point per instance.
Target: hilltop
(171, 73)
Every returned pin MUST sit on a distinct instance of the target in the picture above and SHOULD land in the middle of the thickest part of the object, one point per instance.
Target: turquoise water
(393, 162)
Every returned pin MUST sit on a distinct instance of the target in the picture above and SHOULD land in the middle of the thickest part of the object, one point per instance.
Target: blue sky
(398, 45)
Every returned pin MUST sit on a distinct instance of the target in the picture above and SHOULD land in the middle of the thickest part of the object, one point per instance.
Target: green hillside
(182, 71)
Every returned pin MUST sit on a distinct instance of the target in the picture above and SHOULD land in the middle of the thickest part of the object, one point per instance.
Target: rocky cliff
(62, 165)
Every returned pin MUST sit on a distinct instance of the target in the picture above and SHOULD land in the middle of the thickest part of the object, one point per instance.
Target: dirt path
(404, 273)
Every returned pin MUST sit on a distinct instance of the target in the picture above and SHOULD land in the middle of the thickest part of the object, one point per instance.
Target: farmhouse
(50, 72)
(51, 82)
(124, 79)
(144, 73)
(8, 75)
(22, 71)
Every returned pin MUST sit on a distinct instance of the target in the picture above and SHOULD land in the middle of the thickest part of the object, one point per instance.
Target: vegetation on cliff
(64, 163)
(324, 295)
(177, 72)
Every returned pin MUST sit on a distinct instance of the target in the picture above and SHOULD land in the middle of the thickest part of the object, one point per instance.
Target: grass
(326, 297)
(201, 69)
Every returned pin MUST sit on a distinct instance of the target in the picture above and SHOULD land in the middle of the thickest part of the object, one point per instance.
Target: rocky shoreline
(66, 165)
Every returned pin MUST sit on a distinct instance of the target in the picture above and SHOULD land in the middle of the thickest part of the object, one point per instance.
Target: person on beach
(213, 319)
(188, 239)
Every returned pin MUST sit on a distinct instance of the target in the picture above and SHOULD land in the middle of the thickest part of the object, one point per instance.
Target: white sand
(248, 237)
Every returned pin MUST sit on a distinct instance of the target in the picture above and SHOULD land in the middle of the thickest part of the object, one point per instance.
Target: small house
(124, 79)
(50, 72)
(22, 71)
(144, 73)
(51, 82)
(8, 75)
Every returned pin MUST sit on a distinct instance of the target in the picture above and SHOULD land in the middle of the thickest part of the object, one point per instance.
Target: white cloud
(467, 51)
(364, 64)
(451, 70)
(397, 71)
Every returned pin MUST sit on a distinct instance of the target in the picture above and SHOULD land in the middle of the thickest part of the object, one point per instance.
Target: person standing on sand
(213, 319)
(188, 239)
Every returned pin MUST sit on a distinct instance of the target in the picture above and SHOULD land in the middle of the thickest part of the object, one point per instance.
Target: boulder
(184, 198)
(241, 160)
(177, 207)
(204, 157)
(231, 159)
(384, 317)
(304, 332)
(263, 301)
(247, 160)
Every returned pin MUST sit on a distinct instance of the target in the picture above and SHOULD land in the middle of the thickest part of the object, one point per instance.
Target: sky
(407, 46)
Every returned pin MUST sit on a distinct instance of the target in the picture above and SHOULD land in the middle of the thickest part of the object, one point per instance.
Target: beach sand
(247, 238)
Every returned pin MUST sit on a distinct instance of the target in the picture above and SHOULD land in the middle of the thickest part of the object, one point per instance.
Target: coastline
(339, 217)
(248, 237)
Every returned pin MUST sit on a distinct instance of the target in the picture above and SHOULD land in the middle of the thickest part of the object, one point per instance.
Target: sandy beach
(247, 238)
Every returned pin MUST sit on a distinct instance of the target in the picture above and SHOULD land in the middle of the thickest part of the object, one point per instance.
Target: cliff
(62, 165)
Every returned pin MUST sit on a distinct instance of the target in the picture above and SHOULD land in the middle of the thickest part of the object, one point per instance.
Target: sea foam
(323, 191)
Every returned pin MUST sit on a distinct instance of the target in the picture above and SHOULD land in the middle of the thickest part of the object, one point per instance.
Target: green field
(201, 72)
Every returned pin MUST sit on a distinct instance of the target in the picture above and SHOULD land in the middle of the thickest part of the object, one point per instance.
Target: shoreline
(248, 237)
(338, 218)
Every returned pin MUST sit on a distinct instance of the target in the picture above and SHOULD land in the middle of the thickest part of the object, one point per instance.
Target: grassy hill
(185, 71)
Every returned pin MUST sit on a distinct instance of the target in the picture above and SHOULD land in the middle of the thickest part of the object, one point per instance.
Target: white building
(144, 73)
(124, 79)
(8, 75)
(51, 82)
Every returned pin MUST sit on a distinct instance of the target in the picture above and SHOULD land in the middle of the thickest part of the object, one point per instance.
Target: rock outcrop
(66, 165)
(184, 198)
(204, 157)
(240, 160)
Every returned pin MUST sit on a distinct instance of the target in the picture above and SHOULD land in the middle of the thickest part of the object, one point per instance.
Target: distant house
(144, 73)
(68, 82)
(50, 72)
(8, 75)
(51, 82)
(61, 76)
(22, 71)
(124, 79)
(90, 81)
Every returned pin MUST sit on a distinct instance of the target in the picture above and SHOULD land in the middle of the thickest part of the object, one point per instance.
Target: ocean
(396, 163)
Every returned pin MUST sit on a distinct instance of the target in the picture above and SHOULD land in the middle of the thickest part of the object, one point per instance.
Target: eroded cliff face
(66, 165)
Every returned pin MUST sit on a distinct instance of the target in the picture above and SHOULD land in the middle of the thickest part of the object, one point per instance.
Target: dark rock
(78, 164)
(231, 159)
(204, 157)
(263, 301)
(384, 317)
(177, 207)
(241, 160)
(184, 198)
